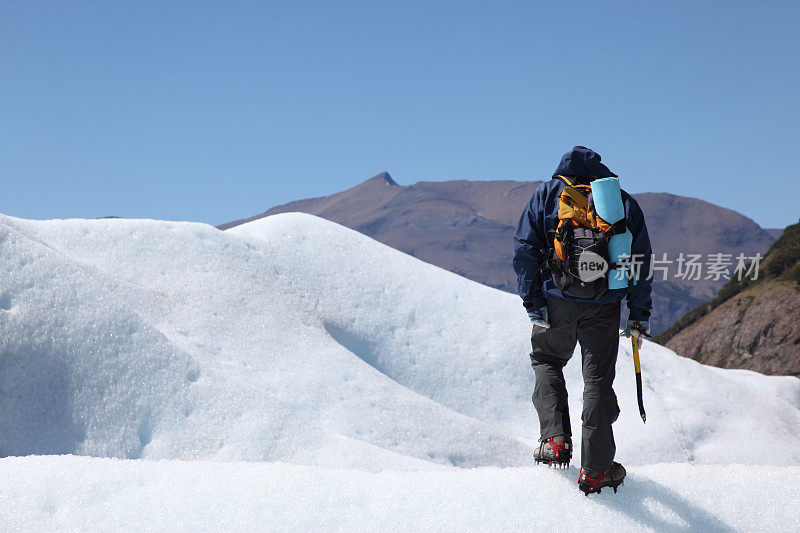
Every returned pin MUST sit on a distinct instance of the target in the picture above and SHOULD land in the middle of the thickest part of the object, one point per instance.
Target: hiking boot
(591, 481)
(554, 451)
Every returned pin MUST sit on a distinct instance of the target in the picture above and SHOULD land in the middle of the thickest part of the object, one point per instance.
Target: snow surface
(295, 341)
(59, 493)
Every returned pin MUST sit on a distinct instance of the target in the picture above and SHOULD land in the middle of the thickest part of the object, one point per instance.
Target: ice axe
(636, 341)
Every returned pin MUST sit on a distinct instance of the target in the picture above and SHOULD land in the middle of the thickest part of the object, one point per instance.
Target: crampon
(612, 478)
(555, 451)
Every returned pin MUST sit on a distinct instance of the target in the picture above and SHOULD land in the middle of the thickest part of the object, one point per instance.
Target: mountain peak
(382, 177)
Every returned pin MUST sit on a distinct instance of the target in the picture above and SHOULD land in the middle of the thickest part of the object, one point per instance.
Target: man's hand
(539, 317)
(637, 328)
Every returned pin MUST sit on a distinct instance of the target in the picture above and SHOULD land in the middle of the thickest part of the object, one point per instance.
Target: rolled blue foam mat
(607, 198)
(619, 248)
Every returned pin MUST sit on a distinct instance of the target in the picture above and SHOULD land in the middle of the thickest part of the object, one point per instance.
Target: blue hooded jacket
(537, 225)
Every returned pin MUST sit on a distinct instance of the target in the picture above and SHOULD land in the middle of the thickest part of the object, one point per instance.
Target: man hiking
(559, 234)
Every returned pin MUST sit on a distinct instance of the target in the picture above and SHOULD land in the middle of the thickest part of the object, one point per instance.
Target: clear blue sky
(211, 111)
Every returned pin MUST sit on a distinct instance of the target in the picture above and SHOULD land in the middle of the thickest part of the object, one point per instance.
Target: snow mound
(81, 370)
(294, 339)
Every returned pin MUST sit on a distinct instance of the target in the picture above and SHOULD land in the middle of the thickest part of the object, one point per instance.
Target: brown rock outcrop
(758, 329)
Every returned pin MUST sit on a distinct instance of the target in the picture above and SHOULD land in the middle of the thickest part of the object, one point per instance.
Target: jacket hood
(582, 161)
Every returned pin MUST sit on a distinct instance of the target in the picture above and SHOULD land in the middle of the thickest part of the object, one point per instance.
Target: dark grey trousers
(596, 328)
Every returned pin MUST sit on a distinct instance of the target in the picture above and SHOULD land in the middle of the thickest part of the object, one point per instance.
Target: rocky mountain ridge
(753, 323)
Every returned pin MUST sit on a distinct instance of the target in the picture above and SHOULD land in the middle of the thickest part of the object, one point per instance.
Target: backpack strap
(572, 183)
(565, 179)
(617, 228)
